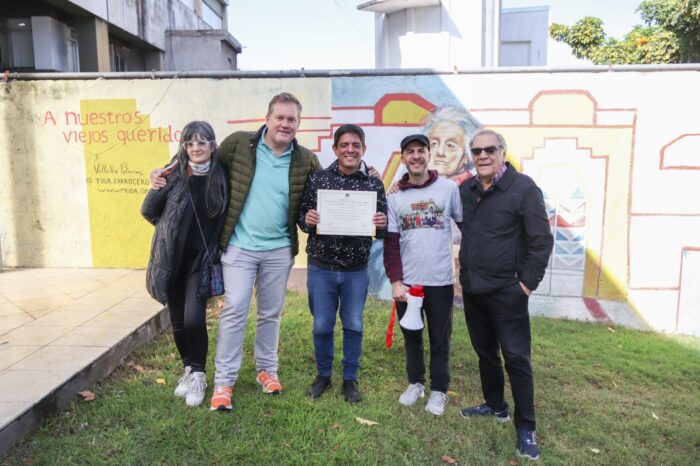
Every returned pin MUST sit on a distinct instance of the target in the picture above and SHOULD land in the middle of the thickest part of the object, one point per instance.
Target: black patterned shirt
(332, 252)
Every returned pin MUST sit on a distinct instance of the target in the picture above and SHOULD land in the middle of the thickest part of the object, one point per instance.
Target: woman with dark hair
(188, 215)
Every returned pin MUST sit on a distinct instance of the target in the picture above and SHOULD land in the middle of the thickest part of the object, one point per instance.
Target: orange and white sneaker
(221, 398)
(269, 382)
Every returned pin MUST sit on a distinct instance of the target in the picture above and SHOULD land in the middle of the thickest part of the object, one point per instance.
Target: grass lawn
(604, 396)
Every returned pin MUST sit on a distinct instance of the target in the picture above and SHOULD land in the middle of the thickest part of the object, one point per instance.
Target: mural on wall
(540, 149)
(622, 252)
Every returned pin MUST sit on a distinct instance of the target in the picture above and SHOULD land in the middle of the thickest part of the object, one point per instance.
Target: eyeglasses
(489, 150)
(198, 144)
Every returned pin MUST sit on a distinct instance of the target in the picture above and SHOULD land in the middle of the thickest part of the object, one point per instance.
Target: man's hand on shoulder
(157, 179)
(394, 188)
(373, 172)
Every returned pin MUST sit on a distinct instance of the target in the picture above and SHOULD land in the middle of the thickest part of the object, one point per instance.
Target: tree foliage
(671, 34)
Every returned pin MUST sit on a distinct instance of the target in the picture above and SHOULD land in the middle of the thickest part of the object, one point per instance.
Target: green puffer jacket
(238, 153)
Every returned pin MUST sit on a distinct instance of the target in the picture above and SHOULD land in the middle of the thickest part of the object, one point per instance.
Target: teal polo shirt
(263, 225)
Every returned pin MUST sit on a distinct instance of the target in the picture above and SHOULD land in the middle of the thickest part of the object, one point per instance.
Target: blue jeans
(328, 292)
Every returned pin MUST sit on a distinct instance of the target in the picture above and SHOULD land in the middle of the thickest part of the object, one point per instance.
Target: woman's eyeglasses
(489, 150)
(198, 144)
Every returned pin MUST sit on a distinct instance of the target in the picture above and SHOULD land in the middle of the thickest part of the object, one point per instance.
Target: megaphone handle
(390, 328)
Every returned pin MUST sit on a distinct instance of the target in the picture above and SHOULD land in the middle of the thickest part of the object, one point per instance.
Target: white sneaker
(436, 403)
(198, 385)
(183, 385)
(412, 393)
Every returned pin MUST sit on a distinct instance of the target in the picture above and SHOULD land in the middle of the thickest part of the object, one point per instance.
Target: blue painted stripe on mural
(578, 194)
(560, 249)
(561, 235)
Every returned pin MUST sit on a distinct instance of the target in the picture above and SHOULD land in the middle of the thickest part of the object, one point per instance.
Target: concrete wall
(158, 16)
(93, 43)
(201, 50)
(616, 154)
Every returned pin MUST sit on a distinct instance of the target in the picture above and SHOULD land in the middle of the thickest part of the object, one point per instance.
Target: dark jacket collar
(405, 184)
(503, 184)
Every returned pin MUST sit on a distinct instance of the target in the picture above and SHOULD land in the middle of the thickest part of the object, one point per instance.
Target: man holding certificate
(341, 209)
(418, 253)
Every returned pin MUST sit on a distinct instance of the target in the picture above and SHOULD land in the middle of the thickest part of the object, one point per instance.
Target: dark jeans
(500, 321)
(331, 293)
(437, 308)
(189, 319)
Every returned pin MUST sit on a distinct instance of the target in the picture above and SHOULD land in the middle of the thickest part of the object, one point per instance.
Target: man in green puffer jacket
(268, 171)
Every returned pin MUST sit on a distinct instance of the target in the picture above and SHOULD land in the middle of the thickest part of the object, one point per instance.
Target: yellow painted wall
(78, 154)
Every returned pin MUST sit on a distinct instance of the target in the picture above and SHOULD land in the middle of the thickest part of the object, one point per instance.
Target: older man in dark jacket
(506, 244)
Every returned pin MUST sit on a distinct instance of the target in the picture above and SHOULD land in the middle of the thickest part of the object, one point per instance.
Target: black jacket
(166, 209)
(331, 252)
(506, 236)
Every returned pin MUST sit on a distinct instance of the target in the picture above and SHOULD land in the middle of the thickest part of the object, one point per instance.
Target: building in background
(116, 35)
(449, 34)
(524, 35)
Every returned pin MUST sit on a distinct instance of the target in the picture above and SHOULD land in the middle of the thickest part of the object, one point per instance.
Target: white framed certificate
(346, 213)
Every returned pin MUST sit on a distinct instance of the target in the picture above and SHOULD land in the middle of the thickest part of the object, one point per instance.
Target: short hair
(484, 131)
(349, 128)
(283, 98)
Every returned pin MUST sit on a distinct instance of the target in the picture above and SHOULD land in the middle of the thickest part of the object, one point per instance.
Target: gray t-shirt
(422, 217)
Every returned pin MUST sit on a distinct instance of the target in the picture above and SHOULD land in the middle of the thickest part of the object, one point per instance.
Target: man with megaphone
(418, 261)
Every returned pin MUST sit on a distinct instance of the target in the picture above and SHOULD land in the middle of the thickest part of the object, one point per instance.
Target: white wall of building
(453, 33)
(524, 36)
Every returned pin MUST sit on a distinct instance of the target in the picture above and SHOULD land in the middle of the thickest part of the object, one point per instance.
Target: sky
(333, 34)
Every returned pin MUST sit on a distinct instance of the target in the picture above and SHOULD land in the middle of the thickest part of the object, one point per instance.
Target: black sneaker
(501, 415)
(527, 444)
(318, 386)
(352, 395)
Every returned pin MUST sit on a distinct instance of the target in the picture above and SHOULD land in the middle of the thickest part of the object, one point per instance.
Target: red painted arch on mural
(389, 98)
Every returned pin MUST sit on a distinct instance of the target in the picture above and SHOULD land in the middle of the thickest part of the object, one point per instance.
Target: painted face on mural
(349, 152)
(199, 149)
(282, 124)
(487, 164)
(447, 148)
(416, 157)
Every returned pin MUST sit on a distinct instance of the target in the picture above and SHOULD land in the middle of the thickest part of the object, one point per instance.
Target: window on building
(4, 54)
(213, 13)
(216, 7)
(118, 63)
(73, 57)
(189, 3)
(19, 43)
